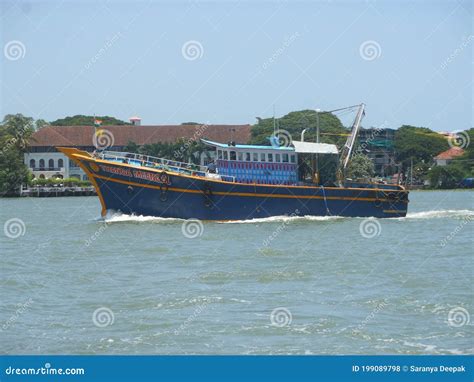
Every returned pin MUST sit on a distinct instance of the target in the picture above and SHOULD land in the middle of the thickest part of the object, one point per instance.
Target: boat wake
(285, 219)
(117, 217)
(440, 214)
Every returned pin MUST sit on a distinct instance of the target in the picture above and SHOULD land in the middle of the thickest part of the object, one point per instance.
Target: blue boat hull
(144, 191)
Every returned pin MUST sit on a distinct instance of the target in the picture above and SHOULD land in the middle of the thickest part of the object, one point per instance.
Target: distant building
(447, 156)
(45, 161)
(377, 144)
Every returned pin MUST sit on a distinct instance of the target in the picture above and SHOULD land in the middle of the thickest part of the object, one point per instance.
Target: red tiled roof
(122, 134)
(450, 154)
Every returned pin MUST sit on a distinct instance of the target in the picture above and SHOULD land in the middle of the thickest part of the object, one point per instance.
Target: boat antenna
(274, 121)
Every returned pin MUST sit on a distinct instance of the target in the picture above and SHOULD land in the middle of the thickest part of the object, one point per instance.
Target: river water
(74, 284)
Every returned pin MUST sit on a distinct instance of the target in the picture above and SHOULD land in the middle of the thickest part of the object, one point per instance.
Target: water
(72, 284)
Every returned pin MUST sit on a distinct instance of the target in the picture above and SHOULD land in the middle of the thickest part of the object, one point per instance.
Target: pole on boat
(349, 145)
(316, 173)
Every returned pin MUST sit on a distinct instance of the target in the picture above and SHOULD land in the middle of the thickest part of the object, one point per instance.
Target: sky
(229, 62)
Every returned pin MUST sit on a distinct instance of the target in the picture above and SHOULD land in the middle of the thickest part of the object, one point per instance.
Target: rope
(325, 201)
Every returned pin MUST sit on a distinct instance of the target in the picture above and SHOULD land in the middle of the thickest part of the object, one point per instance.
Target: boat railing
(158, 163)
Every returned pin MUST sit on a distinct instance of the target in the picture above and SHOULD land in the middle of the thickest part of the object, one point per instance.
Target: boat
(244, 182)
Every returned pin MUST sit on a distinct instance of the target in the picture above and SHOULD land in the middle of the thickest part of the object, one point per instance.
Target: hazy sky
(228, 62)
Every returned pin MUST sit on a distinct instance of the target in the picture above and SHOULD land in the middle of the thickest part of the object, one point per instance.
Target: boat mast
(349, 145)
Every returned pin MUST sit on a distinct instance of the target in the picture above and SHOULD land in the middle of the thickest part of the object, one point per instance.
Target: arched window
(32, 163)
(41, 176)
(60, 163)
(41, 163)
(51, 163)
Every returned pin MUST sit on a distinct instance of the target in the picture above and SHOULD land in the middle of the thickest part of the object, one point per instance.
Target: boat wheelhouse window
(277, 157)
(240, 156)
(270, 157)
(262, 157)
(219, 154)
(232, 155)
(247, 157)
(284, 158)
(293, 158)
(226, 155)
(255, 157)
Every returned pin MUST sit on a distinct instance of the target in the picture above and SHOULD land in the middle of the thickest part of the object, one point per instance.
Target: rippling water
(74, 284)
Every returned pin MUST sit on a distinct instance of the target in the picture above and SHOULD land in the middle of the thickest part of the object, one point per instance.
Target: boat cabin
(264, 164)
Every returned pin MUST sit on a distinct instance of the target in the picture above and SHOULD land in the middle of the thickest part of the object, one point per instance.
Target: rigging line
(325, 201)
(342, 108)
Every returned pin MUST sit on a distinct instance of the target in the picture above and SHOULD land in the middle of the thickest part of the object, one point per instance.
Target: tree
(15, 134)
(85, 120)
(419, 143)
(466, 161)
(40, 123)
(295, 122)
(132, 147)
(449, 176)
(360, 167)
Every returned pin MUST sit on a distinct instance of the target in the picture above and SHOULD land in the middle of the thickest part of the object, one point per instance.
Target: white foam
(117, 217)
(284, 219)
(439, 214)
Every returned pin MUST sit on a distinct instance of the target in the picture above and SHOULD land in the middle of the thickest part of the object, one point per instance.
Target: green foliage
(132, 147)
(40, 123)
(85, 120)
(295, 122)
(466, 161)
(419, 143)
(15, 133)
(360, 167)
(449, 176)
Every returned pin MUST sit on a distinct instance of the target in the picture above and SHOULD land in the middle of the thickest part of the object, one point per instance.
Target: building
(45, 161)
(378, 145)
(447, 156)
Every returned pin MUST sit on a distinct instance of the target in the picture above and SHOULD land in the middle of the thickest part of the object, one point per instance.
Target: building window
(270, 157)
(293, 158)
(32, 163)
(219, 154)
(226, 155)
(232, 155)
(277, 158)
(51, 163)
(247, 157)
(41, 163)
(262, 157)
(240, 156)
(255, 157)
(285, 158)
(60, 163)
